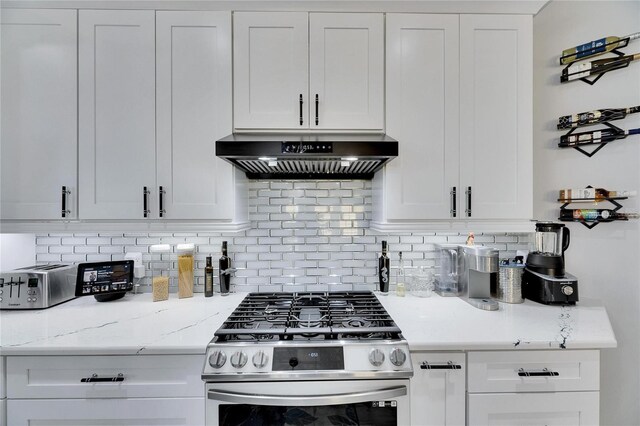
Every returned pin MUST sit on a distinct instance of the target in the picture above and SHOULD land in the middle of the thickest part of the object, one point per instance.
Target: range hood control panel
(307, 148)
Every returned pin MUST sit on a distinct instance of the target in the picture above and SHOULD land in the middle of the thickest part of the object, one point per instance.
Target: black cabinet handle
(317, 102)
(65, 192)
(448, 366)
(95, 378)
(301, 121)
(145, 202)
(454, 196)
(161, 210)
(468, 193)
(543, 373)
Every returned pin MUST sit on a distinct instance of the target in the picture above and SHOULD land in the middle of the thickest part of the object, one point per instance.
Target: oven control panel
(284, 359)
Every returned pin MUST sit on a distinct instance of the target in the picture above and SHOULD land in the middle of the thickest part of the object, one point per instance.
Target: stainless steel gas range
(308, 358)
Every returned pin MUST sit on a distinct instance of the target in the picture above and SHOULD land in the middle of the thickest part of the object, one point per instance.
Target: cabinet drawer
(99, 412)
(139, 376)
(551, 409)
(533, 371)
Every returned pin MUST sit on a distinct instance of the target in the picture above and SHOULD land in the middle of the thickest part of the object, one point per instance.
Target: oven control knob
(376, 357)
(238, 359)
(260, 359)
(567, 290)
(217, 359)
(397, 357)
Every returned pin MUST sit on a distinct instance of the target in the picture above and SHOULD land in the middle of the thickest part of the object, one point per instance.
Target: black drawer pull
(448, 366)
(301, 121)
(65, 193)
(317, 102)
(543, 373)
(95, 378)
(454, 195)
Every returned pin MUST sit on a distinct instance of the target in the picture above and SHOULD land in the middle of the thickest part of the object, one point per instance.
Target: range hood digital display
(307, 156)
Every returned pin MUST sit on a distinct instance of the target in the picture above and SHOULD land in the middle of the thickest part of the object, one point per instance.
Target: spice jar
(160, 272)
(185, 270)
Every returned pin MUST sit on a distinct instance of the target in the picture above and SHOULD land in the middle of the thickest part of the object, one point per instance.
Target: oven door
(355, 402)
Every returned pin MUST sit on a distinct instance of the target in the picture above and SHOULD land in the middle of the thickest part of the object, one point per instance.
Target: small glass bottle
(224, 265)
(208, 278)
(400, 278)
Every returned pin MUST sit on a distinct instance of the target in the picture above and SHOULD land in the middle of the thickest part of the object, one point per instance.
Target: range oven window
(378, 413)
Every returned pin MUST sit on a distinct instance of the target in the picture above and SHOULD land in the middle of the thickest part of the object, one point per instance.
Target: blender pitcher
(552, 238)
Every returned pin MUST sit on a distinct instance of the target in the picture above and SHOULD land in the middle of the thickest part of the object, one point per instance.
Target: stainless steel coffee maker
(479, 273)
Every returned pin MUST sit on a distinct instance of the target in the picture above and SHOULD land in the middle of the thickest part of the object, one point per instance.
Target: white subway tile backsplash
(305, 235)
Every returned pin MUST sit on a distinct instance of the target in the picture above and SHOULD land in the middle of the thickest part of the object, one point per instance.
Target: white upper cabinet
(422, 114)
(459, 101)
(39, 140)
(496, 88)
(346, 70)
(193, 71)
(117, 143)
(283, 62)
(270, 70)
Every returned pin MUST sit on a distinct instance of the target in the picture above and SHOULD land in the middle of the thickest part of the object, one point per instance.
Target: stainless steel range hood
(308, 155)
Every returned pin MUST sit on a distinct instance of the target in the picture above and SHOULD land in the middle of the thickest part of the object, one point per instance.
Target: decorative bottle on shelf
(593, 48)
(383, 270)
(594, 117)
(400, 278)
(208, 278)
(224, 266)
(595, 194)
(595, 215)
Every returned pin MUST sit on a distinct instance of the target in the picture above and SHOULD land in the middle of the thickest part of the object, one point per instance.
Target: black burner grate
(352, 315)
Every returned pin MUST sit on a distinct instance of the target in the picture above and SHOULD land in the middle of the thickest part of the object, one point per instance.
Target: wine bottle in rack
(595, 215)
(596, 136)
(594, 117)
(586, 69)
(594, 48)
(592, 194)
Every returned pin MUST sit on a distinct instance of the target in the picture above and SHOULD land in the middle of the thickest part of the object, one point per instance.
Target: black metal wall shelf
(592, 223)
(615, 64)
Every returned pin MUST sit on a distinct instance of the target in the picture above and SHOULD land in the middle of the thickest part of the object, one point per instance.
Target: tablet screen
(104, 277)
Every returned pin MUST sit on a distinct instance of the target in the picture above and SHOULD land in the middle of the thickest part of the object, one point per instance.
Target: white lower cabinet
(547, 408)
(534, 388)
(105, 390)
(3, 412)
(438, 388)
(121, 412)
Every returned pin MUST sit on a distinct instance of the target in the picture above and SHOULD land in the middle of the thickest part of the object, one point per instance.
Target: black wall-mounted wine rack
(616, 65)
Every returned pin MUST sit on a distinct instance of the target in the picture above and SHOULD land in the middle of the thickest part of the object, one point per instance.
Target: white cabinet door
(39, 113)
(95, 412)
(346, 70)
(496, 115)
(117, 146)
(422, 114)
(193, 71)
(539, 409)
(438, 389)
(270, 70)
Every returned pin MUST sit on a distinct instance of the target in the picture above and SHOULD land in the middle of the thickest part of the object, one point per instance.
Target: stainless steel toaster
(37, 287)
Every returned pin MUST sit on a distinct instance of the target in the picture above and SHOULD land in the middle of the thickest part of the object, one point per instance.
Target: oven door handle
(312, 400)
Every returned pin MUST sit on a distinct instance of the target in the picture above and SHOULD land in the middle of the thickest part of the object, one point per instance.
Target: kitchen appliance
(544, 278)
(308, 155)
(336, 355)
(446, 283)
(37, 287)
(479, 266)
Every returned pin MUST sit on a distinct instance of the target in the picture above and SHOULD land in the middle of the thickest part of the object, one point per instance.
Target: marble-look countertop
(136, 325)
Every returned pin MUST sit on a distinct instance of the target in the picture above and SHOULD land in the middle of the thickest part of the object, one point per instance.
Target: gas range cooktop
(308, 316)
(308, 336)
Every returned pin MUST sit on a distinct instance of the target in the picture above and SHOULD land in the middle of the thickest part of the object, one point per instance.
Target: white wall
(605, 259)
(17, 250)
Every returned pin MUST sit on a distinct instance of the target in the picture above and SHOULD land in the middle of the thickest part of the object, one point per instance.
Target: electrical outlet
(138, 267)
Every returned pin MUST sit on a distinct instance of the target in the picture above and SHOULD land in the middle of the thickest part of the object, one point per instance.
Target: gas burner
(356, 322)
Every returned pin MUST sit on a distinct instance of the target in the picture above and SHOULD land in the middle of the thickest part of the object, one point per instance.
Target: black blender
(544, 279)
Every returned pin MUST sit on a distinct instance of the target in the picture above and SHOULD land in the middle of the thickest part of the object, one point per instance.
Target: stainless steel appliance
(286, 358)
(479, 274)
(307, 155)
(37, 287)
(544, 278)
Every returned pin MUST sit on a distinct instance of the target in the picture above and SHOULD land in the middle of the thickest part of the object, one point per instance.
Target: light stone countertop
(136, 325)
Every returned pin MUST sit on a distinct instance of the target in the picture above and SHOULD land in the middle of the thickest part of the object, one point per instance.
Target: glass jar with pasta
(185, 270)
